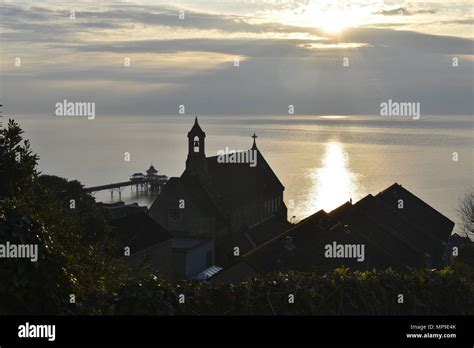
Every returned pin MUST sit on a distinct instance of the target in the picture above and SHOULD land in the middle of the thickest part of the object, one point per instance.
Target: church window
(196, 144)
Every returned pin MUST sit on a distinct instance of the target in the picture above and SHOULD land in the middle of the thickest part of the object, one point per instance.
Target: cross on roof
(254, 136)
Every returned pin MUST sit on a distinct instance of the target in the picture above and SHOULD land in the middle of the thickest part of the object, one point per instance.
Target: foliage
(466, 214)
(16, 162)
(76, 250)
(341, 292)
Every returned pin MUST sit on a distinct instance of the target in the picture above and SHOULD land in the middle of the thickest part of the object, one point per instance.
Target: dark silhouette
(237, 205)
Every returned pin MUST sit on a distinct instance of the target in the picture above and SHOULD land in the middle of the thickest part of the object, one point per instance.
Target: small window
(196, 144)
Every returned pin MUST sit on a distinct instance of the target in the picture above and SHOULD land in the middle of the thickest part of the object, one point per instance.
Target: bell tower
(196, 161)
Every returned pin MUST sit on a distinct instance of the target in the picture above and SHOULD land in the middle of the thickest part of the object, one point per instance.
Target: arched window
(196, 144)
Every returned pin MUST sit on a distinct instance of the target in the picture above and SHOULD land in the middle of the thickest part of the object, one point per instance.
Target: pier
(151, 182)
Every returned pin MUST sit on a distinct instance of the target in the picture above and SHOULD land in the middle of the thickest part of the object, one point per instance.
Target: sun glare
(333, 181)
(333, 21)
(332, 16)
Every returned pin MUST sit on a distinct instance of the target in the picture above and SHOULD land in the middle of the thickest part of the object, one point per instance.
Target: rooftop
(139, 231)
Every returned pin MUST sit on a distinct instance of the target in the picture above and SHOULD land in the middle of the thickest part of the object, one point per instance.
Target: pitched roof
(250, 238)
(392, 239)
(236, 183)
(118, 210)
(420, 214)
(139, 231)
(378, 222)
(151, 170)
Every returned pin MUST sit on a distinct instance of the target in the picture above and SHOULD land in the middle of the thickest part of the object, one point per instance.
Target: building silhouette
(404, 237)
(231, 203)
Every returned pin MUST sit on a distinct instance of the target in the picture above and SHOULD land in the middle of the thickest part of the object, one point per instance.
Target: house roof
(139, 231)
(375, 221)
(420, 214)
(251, 238)
(119, 210)
(392, 238)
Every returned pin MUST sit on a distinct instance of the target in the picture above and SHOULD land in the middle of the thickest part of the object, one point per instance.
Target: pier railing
(153, 184)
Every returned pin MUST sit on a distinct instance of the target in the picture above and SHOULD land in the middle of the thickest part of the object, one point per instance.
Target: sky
(233, 57)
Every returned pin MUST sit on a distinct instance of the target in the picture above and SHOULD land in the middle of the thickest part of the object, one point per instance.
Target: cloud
(409, 41)
(402, 11)
(23, 22)
(386, 39)
(191, 62)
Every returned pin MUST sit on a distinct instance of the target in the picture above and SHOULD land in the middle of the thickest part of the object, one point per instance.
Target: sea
(323, 161)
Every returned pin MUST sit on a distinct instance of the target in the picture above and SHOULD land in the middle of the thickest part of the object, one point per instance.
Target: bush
(341, 292)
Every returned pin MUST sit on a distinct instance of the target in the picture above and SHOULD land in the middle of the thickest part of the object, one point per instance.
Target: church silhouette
(238, 206)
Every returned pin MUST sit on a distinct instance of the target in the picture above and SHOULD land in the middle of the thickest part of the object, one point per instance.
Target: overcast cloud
(284, 58)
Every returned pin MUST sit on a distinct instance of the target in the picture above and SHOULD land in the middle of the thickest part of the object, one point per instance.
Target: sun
(333, 21)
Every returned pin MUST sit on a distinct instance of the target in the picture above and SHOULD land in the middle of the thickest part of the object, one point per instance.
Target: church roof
(236, 183)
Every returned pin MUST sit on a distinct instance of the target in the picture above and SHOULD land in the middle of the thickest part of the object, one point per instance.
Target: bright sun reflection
(333, 182)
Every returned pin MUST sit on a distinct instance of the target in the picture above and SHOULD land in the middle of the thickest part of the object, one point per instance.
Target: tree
(21, 222)
(77, 256)
(17, 162)
(466, 214)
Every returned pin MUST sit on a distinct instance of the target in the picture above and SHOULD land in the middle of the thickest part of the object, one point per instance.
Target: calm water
(323, 161)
